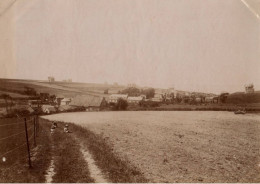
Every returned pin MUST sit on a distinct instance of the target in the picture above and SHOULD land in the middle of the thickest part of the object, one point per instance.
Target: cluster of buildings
(84, 102)
(52, 79)
(130, 99)
(167, 95)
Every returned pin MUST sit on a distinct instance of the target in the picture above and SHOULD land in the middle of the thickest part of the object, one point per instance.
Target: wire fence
(30, 132)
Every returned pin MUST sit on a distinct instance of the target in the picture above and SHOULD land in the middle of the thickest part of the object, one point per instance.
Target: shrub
(121, 104)
(148, 104)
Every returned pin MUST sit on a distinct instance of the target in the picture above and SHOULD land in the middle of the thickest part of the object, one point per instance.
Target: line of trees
(133, 91)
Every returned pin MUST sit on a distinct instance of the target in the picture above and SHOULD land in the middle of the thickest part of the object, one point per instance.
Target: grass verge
(70, 166)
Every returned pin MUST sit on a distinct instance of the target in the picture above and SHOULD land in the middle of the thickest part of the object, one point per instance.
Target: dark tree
(121, 104)
(178, 98)
(149, 92)
(52, 98)
(132, 91)
(223, 97)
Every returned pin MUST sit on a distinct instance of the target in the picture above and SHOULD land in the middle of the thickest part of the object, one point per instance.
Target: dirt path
(95, 172)
(50, 170)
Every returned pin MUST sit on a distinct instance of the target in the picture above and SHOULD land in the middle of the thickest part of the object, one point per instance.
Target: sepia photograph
(129, 91)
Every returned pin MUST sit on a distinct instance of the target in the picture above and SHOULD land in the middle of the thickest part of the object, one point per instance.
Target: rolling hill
(16, 87)
(241, 97)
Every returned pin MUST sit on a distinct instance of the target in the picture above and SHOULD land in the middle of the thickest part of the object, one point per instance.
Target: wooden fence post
(34, 130)
(38, 125)
(27, 141)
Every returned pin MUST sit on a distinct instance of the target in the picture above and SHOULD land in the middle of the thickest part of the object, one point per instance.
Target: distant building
(58, 100)
(114, 97)
(91, 103)
(48, 109)
(158, 97)
(65, 101)
(51, 79)
(134, 99)
(249, 88)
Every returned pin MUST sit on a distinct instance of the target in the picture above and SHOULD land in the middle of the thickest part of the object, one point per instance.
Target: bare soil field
(180, 146)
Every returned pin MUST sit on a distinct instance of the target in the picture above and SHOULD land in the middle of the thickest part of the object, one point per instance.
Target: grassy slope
(58, 88)
(14, 95)
(241, 97)
(70, 166)
(15, 169)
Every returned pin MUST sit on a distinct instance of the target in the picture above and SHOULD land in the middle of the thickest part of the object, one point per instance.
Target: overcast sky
(197, 45)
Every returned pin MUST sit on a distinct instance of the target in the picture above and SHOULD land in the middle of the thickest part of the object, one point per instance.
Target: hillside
(241, 97)
(16, 87)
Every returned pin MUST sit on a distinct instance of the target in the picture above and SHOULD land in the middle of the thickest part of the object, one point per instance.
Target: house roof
(66, 100)
(116, 96)
(135, 98)
(87, 100)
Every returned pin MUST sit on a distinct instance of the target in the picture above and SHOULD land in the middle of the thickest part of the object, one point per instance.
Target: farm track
(50, 171)
(67, 162)
(95, 172)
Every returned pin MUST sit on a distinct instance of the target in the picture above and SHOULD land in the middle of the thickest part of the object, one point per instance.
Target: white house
(134, 99)
(48, 109)
(65, 101)
(114, 97)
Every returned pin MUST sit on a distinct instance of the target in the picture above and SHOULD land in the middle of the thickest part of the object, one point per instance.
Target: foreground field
(180, 146)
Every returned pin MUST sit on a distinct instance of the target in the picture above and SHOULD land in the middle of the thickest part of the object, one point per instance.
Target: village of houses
(98, 103)
(48, 103)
